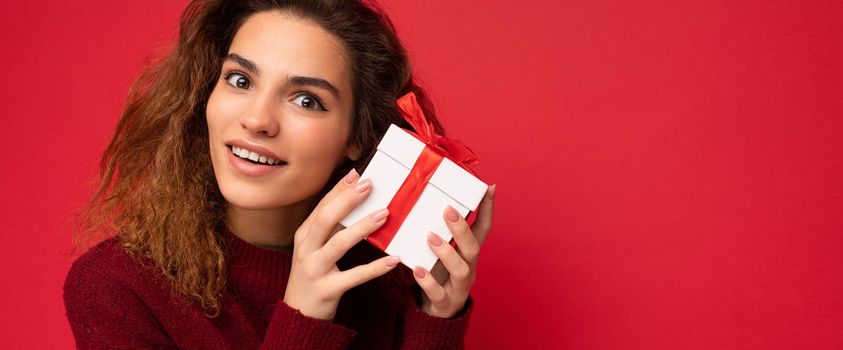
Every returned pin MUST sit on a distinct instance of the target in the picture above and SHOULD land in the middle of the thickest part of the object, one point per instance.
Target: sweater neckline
(256, 263)
(239, 245)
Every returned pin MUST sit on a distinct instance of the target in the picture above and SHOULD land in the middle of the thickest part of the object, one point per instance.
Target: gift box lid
(449, 178)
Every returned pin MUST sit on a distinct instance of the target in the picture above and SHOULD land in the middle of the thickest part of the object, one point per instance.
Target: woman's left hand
(445, 291)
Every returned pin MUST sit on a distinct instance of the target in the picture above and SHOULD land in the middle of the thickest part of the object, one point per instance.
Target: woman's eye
(238, 80)
(309, 102)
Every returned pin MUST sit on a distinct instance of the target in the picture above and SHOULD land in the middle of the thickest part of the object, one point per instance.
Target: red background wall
(669, 172)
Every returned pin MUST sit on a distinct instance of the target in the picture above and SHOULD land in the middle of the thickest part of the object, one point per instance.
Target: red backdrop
(669, 172)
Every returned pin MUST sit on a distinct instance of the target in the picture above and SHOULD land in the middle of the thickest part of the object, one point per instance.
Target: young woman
(232, 163)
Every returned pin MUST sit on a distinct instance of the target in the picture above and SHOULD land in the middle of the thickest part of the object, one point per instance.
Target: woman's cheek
(318, 159)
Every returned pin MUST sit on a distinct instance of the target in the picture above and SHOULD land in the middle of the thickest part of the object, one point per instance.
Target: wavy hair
(156, 189)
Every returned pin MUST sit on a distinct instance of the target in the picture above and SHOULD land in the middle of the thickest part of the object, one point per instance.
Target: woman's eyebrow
(249, 65)
(315, 82)
(295, 80)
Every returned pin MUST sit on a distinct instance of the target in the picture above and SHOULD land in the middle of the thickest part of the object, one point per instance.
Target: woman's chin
(261, 199)
(255, 200)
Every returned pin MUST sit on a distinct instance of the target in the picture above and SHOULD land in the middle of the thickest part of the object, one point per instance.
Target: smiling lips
(254, 157)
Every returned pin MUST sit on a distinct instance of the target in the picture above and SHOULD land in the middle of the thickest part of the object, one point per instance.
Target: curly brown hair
(156, 189)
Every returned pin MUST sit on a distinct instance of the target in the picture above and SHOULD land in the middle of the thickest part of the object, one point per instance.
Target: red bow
(454, 150)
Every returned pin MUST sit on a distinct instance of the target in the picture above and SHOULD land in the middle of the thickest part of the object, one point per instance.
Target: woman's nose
(262, 118)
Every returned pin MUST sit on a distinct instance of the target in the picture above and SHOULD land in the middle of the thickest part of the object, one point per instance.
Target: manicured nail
(392, 261)
(492, 194)
(419, 272)
(434, 239)
(380, 215)
(452, 215)
(352, 175)
(363, 186)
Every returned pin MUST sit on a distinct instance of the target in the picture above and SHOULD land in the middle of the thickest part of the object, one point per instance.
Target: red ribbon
(436, 147)
(454, 150)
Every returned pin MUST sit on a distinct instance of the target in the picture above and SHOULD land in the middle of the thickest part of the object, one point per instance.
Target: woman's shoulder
(106, 303)
(107, 261)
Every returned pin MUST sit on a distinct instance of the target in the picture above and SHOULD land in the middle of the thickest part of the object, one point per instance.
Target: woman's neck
(272, 229)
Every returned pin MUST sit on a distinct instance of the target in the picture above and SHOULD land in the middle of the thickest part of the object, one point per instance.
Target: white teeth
(244, 153)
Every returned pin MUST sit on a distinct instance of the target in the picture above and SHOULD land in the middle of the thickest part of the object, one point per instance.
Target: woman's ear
(353, 152)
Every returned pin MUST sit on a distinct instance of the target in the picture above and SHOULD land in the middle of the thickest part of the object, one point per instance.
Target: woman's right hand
(316, 284)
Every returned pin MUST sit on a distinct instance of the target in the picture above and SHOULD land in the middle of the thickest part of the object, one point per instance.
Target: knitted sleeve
(422, 331)
(290, 329)
(103, 313)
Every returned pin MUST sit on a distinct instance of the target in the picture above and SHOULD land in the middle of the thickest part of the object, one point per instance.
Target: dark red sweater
(112, 301)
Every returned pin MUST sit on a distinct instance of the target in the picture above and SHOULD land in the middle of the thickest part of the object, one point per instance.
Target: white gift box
(450, 185)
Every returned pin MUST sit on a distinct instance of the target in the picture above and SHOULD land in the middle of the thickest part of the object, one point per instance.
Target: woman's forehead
(280, 45)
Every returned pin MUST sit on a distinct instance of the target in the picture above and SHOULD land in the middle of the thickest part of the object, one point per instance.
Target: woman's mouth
(254, 158)
(251, 163)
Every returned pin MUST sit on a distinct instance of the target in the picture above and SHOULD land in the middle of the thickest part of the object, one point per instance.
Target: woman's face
(279, 117)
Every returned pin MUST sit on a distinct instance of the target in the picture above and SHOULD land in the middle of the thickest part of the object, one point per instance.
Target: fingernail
(352, 175)
(451, 214)
(380, 215)
(363, 186)
(492, 194)
(419, 272)
(392, 261)
(434, 239)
